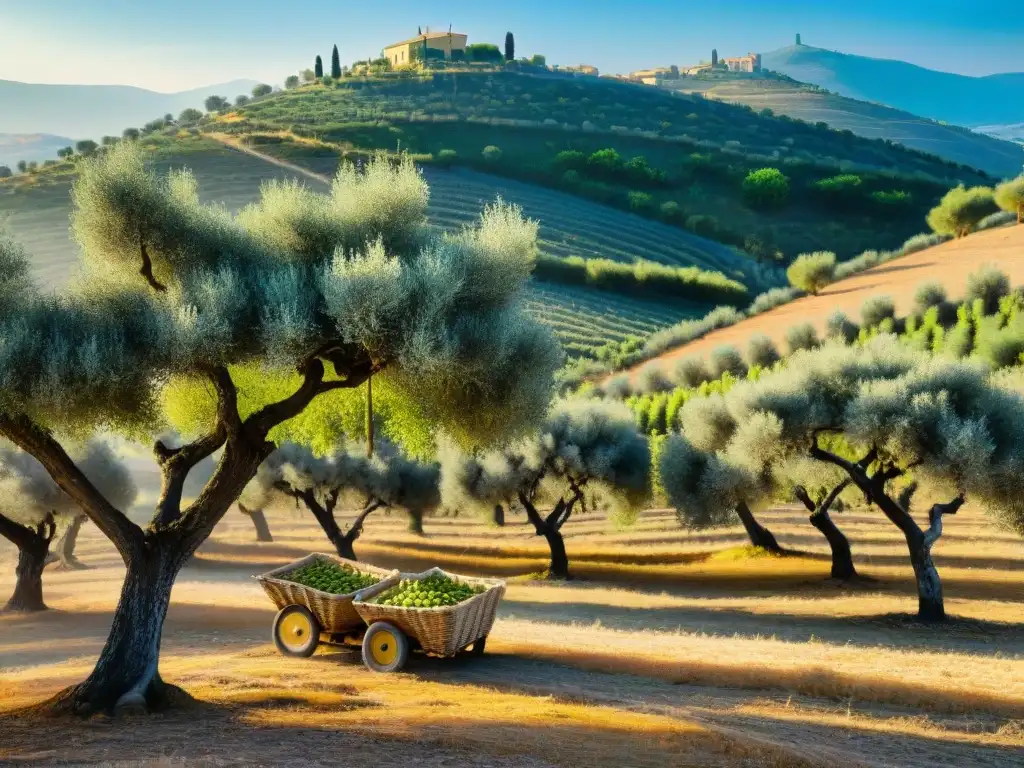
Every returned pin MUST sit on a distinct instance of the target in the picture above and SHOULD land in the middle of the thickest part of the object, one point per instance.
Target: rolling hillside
(958, 99)
(949, 264)
(675, 158)
(582, 318)
(785, 96)
(92, 111)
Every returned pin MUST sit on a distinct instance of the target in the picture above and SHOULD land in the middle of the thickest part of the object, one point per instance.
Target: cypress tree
(335, 64)
(318, 68)
(510, 47)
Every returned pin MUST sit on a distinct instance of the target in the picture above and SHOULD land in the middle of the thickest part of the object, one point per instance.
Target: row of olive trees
(881, 419)
(334, 288)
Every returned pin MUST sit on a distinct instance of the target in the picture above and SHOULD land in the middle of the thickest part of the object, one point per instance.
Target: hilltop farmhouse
(445, 42)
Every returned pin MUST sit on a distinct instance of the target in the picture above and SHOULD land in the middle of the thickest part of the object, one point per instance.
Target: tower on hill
(798, 39)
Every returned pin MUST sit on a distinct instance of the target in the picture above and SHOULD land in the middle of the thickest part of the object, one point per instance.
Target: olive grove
(333, 287)
(582, 444)
(888, 417)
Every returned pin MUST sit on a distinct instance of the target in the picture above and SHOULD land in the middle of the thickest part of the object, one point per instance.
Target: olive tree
(708, 427)
(1010, 197)
(904, 414)
(387, 479)
(332, 287)
(582, 444)
(33, 508)
(818, 486)
(960, 210)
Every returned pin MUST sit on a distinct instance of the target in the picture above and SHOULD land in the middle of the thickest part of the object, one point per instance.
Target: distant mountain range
(994, 101)
(15, 147)
(93, 111)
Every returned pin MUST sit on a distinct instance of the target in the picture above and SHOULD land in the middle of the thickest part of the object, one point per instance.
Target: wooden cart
(306, 616)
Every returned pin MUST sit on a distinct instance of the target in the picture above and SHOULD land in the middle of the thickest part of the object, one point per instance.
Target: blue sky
(179, 44)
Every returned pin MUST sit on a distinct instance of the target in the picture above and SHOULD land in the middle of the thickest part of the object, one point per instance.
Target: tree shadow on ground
(975, 636)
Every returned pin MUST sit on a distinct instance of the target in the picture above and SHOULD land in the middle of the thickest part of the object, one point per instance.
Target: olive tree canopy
(582, 443)
(335, 287)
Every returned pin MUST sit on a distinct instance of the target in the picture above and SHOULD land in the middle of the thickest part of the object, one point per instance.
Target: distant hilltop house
(652, 76)
(445, 42)
(749, 63)
(580, 69)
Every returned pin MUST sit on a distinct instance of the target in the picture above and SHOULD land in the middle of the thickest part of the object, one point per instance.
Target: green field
(582, 318)
(873, 121)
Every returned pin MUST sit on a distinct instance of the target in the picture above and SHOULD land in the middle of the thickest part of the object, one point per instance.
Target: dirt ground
(950, 264)
(670, 648)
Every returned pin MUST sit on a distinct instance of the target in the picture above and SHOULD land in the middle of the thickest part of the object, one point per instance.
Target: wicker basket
(445, 630)
(334, 612)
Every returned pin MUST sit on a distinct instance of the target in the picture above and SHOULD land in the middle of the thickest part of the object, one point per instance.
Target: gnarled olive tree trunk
(259, 522)
(759, 535)
(930, 604)
(343, 542)
(550, 528)
(64, 551)
(33, 546)
(842, 557)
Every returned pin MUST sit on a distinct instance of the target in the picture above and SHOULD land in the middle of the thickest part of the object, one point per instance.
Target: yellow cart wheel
(385, 647)
(296, 631)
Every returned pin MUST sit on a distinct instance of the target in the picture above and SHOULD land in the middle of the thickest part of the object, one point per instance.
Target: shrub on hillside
(802, 336)
(996, 220)
(692, 371)
(1010, 197)
(618, 387)
(446, 157)
(839, 327)
(653, 379)
(571, 159)
(761, 351)
(988, 285)
(261, 90)
(671, 211)
(5, 172)
(877, 309)
(727, 359)
(641, 278)
(922, 242)
(844, 188)
(959, 212)
(773, 298)
(492, 154)
(766, 188)
(640, 201)
(811, 272)
(893, 200)
(928, 295)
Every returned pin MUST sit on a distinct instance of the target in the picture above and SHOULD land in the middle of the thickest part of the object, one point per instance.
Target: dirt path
(950, 264)
(233, 143)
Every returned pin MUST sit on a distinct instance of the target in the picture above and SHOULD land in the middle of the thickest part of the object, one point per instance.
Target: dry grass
(719, 658)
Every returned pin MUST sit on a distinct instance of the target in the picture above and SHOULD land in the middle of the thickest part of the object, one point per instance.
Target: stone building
(446, 42)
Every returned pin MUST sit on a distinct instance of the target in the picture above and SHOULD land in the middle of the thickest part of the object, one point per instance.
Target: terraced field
(582, 318)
